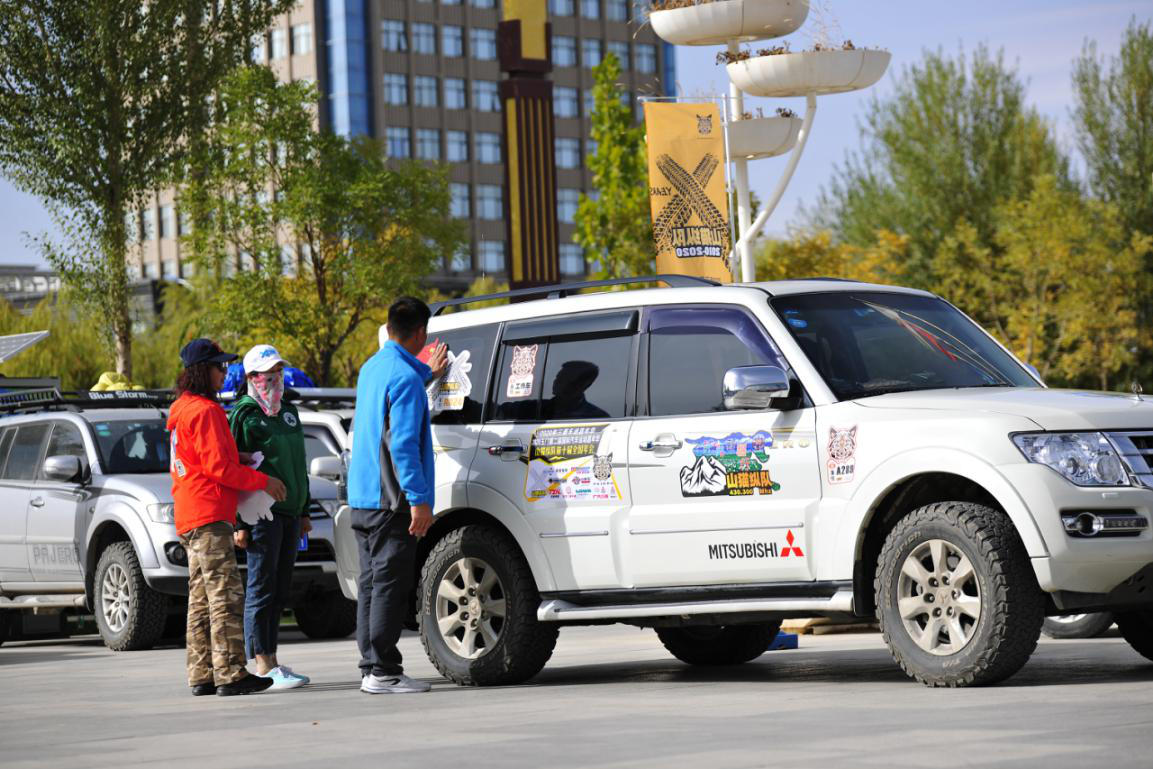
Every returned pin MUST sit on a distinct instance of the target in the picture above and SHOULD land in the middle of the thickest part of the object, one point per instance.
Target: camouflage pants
(215, 607)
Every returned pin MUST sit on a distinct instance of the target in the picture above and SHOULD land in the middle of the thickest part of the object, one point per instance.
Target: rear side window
(459, 399)
(24, 455)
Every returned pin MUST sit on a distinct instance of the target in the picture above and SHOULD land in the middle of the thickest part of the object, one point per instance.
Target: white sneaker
(283, 678)
(392, 684)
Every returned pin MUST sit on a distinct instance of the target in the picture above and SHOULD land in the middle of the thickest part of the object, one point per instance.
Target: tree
(615, 227)
(815, 255)
(952, 142)
(96, 102)
(327, 230)
(72, 351)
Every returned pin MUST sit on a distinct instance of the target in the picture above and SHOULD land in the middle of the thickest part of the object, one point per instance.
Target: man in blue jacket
(390, 491)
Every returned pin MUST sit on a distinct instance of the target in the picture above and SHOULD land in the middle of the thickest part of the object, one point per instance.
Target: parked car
(706, 460)
(88, 522)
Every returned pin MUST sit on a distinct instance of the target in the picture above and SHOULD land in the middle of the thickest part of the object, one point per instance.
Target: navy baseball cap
(204, 351)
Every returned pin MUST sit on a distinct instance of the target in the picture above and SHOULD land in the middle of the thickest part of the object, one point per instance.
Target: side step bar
(43, 602)
(555, 610)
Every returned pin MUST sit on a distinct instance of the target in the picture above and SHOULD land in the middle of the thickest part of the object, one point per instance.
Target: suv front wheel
(957, 600)
(718, 644)
(478, 604)
(129, 614)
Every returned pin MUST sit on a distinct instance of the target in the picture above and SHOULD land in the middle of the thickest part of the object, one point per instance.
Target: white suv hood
(1050, 409)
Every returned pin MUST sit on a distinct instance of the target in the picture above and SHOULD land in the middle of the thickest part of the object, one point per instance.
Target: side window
(24, 456)
(460, 398)
(586, 378)
(518, 386)
(318, 442)
(690, 349)
(5, 444)
(66, 441)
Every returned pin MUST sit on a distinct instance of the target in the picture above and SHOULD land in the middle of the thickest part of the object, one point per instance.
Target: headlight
(1085, 459)
(330, 506)
(165, 513)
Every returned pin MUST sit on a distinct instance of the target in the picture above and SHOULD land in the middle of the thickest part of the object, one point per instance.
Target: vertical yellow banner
(690, 206)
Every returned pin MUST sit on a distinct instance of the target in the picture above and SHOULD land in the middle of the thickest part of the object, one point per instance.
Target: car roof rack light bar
(56, 400)
(560, 290)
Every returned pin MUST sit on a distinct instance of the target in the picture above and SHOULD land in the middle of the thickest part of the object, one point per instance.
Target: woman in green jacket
(262, 422)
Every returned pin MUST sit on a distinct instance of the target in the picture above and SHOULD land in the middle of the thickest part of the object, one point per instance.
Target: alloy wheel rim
(939, 597)
(470, 608)
(115, 597)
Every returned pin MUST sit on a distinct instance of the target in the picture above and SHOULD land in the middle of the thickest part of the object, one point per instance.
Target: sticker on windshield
(736, 466)
(573, 464)
(842, 454)
(521, 370)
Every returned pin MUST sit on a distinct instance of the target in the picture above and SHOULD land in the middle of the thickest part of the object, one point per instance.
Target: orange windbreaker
(206, 469)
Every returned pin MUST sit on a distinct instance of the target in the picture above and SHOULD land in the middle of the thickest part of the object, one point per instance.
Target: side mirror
(67, 469)
(754, 387)
(326, 467)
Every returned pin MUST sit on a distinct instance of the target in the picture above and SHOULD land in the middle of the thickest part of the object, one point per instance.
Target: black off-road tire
(147, 609)
(524, 644)
(713, 645)
(1137, 628)
(1012, 604)
(1080, 626)
(326, 616)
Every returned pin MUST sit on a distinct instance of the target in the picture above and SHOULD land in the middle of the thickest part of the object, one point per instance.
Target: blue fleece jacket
(392, 457)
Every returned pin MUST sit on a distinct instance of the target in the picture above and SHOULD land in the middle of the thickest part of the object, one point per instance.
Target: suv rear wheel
(1078, 625)
(129, 614)
(718, 644)
(478, 610)
(329, 615)
(956, 596)
(1137, 628)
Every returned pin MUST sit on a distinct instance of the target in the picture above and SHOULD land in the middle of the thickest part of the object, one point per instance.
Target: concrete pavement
(611, 697)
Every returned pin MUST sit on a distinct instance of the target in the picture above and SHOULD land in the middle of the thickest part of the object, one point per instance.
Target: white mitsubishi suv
(706, 460)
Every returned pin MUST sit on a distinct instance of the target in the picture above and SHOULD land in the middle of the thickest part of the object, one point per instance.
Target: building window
(279, 44)
(454, 93)
(450, 2)
(483, 42)
(484, 3)
(150, 269)
(620, 49)
(462, 260)
(561, 7)
(459, 207)
(566, 205)
(591, 9)
(617, 10)
(258, 49)
(646, 58)
(301, 39)
(168, 269)
(565, 102)
(424, 91)
(456, 146)
(564, 51)
(184, 222)
(397, 142)
(568, 152)
(395, 89)
(392, 37)
(148, 224)
(484, 96)
(489, 204)
(590, 52)
(572, 259)
(589, 101)
(452, 41)
(424, 38)
(167, 222)
(491, 254)
(487, 147)
(428, 144)
(591, 149)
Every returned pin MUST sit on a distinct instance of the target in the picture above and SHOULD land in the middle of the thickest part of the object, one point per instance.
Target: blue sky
(1039, 37)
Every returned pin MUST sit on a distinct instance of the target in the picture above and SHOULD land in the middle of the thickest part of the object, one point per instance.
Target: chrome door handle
(37, 502)
(511, 449)
(663, 442)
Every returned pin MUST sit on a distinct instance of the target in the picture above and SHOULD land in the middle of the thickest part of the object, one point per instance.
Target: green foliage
(953, 141)
(98, 103)
(615, 229)
(73, 350)
(816, 255)
(326, 229)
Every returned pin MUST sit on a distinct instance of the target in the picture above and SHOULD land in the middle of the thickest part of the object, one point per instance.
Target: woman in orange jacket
(207, 474)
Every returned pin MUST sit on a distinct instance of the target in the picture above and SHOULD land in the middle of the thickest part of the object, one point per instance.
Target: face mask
(267, 389)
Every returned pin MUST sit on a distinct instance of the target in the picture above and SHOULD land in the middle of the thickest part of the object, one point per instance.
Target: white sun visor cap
(260, 358)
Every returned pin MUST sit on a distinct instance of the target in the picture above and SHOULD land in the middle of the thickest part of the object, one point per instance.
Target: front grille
(1136, 450)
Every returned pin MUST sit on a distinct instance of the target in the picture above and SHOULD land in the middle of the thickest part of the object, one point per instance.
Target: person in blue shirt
(390, 490)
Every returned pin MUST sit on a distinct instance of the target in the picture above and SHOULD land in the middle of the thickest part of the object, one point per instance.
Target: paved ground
(611, 697)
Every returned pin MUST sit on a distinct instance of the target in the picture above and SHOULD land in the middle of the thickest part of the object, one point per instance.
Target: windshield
(132, 447)
(866, 343)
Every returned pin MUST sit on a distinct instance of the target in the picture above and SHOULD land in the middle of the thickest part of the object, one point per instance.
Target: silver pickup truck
(86, 523)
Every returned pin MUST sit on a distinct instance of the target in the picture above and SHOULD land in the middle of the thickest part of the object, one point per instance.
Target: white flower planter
(721, 21)
(763, 137)
(815, 72)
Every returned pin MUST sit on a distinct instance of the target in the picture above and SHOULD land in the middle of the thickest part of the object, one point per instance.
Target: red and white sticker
(521, 371)
(842, 454)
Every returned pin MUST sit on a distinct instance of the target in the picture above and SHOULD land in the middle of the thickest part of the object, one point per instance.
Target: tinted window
(24, 456)
(691, 348)
(132, 447)
(66, 441)
(461, 396)
(872, 343)
(318, 442)
(5, 444)
(586, 378)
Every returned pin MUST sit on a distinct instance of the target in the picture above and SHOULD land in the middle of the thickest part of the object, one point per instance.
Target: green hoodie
(281, 439)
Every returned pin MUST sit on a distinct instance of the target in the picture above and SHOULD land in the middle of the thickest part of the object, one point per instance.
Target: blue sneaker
(294, 674)
(284, 679)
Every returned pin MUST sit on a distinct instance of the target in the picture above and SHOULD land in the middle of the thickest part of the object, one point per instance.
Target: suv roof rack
(23, 401)
(559, 290)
